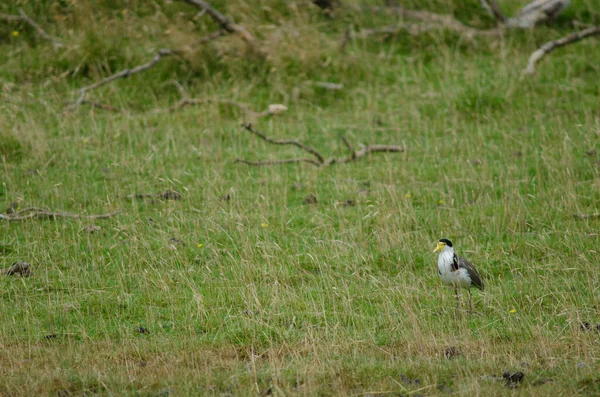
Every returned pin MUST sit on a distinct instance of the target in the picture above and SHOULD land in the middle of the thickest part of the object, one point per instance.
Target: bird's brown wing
(475, 277)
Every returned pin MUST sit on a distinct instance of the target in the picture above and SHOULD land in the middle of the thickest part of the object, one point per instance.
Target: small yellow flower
(200, 245)
(124, 12)
(441, 202)
(15, 33)
(407, 195)
(512, 311)
(264, 225)
(18, 208)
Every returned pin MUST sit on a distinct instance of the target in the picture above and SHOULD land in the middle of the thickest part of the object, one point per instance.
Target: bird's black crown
(446, 241)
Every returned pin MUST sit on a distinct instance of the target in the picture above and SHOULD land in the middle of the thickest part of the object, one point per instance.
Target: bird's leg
(457, 299)
(470, 302)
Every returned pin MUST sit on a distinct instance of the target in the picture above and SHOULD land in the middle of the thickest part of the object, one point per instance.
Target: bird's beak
(439, 247)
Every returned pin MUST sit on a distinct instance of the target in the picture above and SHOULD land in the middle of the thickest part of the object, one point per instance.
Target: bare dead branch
(495, 10)
(22, 17)
(99, 105)
(224, 22)
(32, 212)
(554, 44)
(427, 21)
(321, 161)
(349, 146)
(595, 215)
(168, 194)
(327, 85)
(346, 39)
(248, 127)
(536, 12)
(278, 162)
(532, 14)
(186, 100)
(162, 53)
(122, 74)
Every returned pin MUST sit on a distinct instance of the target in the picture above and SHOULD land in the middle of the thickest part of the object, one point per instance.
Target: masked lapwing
(455, 271)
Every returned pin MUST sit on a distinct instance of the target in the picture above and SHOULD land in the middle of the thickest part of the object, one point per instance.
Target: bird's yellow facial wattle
(440, 246)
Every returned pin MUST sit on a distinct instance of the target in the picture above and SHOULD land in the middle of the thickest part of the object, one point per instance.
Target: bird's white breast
(459, 278)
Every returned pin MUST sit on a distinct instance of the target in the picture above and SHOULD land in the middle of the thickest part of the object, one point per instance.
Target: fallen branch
(168, 194)
(32, 212)
(554, 44)
(494, 9)
(319, 160)
(595, 215)
(121, 75)
(186, 100)
(536, 12)
(224, 22)
(226, 25)
(22, 17)
(427, 21)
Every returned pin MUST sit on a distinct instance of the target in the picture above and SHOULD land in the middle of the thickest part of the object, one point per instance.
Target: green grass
(297, 299)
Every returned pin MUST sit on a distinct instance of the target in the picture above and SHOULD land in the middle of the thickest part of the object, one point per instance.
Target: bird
(456, 271)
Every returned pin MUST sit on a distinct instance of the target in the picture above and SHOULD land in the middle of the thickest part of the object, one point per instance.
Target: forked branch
(319, 160)
(555, 44)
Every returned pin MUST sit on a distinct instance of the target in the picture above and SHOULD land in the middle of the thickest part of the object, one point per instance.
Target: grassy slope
(324, 298)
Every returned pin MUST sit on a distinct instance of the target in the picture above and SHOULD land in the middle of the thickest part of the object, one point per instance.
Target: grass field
(265, 294)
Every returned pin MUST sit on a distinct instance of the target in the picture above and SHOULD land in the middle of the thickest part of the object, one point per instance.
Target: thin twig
(122, 74)
(554, 44)
(322, 162)
(349, 146)
(248, 127)
(42, 32)
(22, 17)
(186, 100)
(224, 22)
(32, 212)
(162, 53)
(278, 162)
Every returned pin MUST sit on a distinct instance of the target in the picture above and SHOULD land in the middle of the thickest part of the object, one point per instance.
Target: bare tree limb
(277, 162)
(120, 75)
(321, 161)
(349, 146)
(427, 21)
(536, 12)
(22, 17)
(224, 22)
(248, 127)
(186, 100)
(162, 53)
(32, 212)
(495, 10)
(554, 44)
(595, 215)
